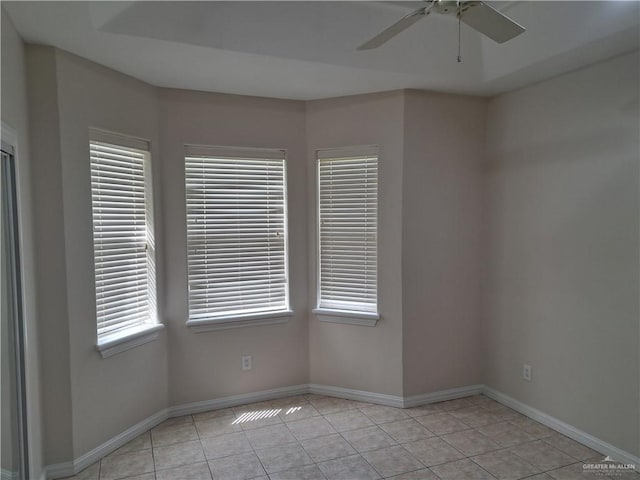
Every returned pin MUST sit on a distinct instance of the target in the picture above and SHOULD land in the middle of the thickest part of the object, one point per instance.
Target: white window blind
(123, 239)
(348, 224)
(236, 232)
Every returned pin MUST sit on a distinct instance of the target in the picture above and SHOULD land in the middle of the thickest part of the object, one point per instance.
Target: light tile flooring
(317, 437)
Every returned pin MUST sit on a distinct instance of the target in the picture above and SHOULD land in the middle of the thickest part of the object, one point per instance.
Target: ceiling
(307, 50)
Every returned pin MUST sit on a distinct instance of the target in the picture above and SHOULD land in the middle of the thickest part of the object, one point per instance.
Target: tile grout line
(255, 451)
(206, 461)
(353, 407)
(153, 450)
(360, 453)
(320, 415)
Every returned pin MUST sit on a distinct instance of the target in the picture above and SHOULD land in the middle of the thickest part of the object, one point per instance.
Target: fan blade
(490, 22)
(398, 27)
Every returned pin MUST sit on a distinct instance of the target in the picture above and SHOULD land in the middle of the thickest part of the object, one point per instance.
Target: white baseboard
(442, 395)
(359, 395)
(59, 470)
(67, 469)
(396, 400)
(224, 402)
(558, 425)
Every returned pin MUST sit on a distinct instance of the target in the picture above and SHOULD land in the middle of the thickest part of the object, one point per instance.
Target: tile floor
(317, 437)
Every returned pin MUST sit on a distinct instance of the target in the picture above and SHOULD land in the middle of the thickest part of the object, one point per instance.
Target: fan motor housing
(448, 7)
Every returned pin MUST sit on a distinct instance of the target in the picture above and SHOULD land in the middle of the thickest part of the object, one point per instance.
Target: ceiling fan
(478, 15)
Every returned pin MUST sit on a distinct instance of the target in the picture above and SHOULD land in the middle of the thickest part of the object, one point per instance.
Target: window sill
(225, 323)
(131, 338)
(350, 318)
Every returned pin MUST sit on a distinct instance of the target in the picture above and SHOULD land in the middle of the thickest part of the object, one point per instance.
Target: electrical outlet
(246, 362)
(526, 372)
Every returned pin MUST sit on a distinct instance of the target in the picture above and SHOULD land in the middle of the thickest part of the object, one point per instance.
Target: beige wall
(15, 115)
(349, 356)
(557, 204)
(204, 366)
(561, 290)
(430, 198)
(133, 385)
(50, 255)
(441, 241)
(69, 95)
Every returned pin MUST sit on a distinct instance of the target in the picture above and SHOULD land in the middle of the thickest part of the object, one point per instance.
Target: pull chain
(459, 13)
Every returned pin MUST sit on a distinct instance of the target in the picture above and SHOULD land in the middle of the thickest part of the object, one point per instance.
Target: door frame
(23, 344)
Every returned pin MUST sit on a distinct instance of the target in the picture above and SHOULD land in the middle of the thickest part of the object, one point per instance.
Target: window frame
(270, 317)
(113, 343)
(351, 317)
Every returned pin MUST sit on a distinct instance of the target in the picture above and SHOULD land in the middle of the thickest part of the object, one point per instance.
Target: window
(236, 237)
(123, 242)
(347, 233)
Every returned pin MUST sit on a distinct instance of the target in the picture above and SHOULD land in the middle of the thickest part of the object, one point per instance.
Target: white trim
(67, 469)
(105, 136)
(359, 395)
(355, 151)
(225, 323)
(58, 470)
(558, 425)
(348, 152)
(248, 153)
(234, 400)
(395, 400)
(119, 440)
(342, 316)
(129, 339)
(9, 136)
(442, 395)
(347, 320)
(270, 299)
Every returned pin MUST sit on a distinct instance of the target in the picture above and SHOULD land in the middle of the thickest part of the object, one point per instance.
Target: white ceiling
(307, 50)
